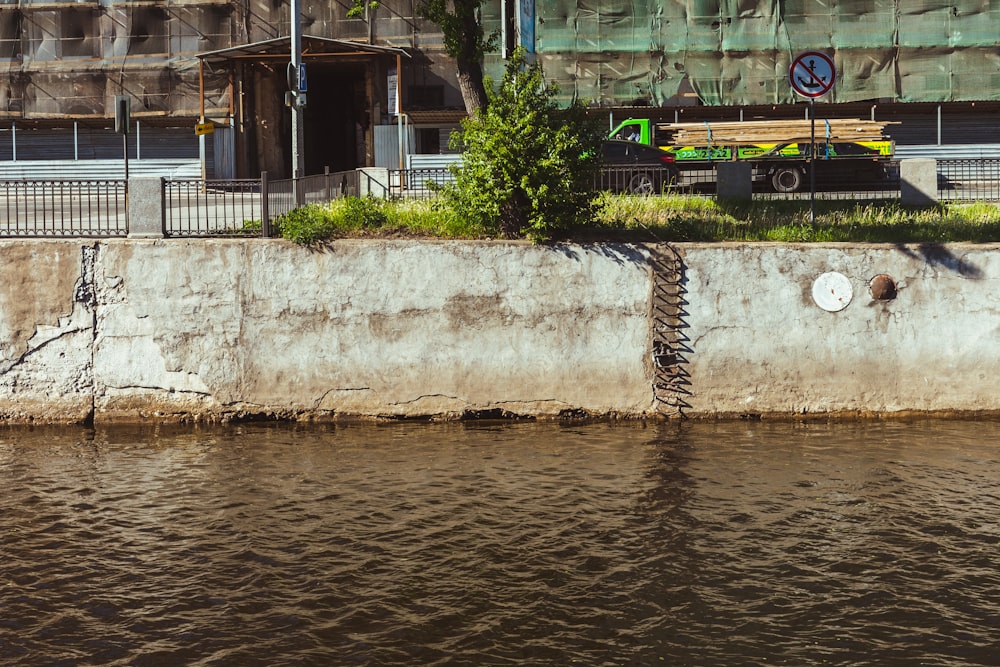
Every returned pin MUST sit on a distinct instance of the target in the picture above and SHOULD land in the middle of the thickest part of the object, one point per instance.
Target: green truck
(849, 152)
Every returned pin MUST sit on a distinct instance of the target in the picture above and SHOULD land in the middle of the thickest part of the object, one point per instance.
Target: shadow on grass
(789, 221)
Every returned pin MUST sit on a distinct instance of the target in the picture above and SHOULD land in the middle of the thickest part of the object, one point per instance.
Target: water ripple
(694, 544)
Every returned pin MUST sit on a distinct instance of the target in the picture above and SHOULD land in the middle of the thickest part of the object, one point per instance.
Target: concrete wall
(760, 344)
(127, 330)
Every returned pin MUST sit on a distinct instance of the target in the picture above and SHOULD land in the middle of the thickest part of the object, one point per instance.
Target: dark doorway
(334, 119)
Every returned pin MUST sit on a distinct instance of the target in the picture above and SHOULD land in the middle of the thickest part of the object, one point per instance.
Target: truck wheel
(787, 179)
(641, 184)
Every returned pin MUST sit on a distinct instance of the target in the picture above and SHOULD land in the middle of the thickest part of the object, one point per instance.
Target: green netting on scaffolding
(737, 52)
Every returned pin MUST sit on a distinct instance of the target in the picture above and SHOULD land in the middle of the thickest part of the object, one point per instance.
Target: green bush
(363, 213)
(528, 167)
(305, 225)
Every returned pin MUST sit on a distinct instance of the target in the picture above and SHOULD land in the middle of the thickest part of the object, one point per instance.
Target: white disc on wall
(832, 291)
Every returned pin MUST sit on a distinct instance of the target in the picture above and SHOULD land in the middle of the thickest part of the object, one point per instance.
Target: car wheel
(641, 184)
(787, 179)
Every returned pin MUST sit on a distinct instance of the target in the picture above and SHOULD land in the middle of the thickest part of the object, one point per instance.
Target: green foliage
(305, 225)
(667, 218)
(433, 217)
(252, 227)
(463, 33)
(353, 217)
(363, 213)
(461, 28)
(247, 228)
(528, 167)
(358, 8)
(681, 218)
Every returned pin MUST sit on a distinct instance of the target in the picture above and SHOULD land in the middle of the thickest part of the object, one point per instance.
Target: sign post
(123, 110)
(811, 75)
(296, 79)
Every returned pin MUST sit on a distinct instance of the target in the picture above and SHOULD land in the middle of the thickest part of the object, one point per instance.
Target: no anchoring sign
(812, 74)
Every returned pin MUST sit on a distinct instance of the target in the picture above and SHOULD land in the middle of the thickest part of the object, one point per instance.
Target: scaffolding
(737, 52)
(66, 60)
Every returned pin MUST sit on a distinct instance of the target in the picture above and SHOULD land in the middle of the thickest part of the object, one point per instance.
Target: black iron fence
(638, 180)
(281, 196)
(62, 208)
(206, 208)
(245, 207)
(193, 207)
(969, 180)
(413, 183)
(698, 181)
(856, 181)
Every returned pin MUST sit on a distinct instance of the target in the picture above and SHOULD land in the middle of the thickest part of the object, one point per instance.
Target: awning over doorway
(280, 48)
(339, 140)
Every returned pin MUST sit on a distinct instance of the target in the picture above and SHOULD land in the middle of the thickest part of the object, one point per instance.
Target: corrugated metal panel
(387, 145)
(950, 151)
(98, 144)
(223, 141)
(96, 169)
(432, 161)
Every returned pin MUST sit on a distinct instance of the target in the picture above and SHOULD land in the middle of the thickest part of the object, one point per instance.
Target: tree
(528, 167)
(464, 40)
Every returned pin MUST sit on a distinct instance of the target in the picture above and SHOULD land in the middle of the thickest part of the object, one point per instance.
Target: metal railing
(969, 180)
(193, 207)
(330, 185)
(418, 183)
(849, 182)
(281, 195)
(63, 208)
(635, 180)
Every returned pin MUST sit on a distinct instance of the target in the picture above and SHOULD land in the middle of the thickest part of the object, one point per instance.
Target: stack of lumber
(769, 132)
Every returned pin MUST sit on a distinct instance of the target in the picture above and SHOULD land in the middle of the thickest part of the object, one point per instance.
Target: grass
(681, 218)
(668, 218)
(352, 217)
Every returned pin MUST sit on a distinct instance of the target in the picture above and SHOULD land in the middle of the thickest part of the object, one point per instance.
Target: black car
(637, 169)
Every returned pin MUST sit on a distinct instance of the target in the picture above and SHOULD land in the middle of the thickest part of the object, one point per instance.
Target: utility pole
(298, 99)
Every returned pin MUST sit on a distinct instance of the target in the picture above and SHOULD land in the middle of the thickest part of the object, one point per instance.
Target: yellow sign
(204, 128)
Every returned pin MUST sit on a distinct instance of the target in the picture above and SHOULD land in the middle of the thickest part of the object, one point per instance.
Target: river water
(517, 544)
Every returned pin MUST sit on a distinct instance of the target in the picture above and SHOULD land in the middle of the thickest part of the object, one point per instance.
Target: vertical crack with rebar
(671, 381)
(85, 295)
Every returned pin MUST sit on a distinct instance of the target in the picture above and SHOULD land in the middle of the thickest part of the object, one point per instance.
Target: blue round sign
(812, 74)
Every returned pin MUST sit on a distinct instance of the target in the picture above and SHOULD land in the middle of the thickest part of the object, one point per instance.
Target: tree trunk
(470, 82)
(469, 56)
(514, 215)
(465, 42)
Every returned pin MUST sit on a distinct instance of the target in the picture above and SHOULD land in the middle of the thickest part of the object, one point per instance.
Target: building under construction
(383, 80)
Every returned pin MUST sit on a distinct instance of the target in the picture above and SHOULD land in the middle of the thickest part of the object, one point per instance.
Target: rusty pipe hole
(883, 287)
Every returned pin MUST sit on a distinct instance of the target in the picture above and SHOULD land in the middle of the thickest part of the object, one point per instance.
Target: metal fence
(284, 195)
(417, 183)
(425, 183)
(279, 197)
(251, 207)
(62, 208)
(969, 180)
(880, 181)
(636, 180)
(193, 207)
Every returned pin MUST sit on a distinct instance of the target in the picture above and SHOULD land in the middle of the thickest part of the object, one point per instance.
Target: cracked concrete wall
(46, 331)
(217, 329)
(760, 345)
(214, 329)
